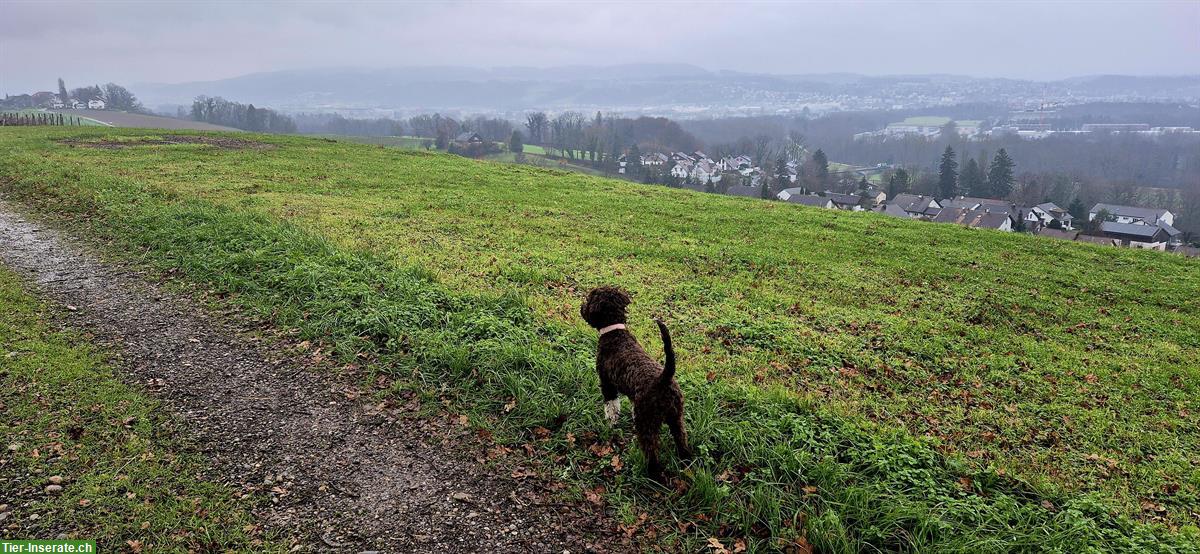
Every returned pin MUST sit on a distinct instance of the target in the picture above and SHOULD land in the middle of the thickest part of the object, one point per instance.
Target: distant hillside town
(793, 182)
(1026, 125)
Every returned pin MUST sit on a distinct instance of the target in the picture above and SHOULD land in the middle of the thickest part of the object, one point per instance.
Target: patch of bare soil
(228, 143)
(343, 473)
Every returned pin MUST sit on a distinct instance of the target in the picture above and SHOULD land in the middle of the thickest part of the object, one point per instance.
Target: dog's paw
(612, 410)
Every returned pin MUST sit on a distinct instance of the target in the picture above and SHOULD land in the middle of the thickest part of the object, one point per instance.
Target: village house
(655, 159)
(1131, 214)
(911, 206)
(797, 195)
(979, 219)
(1134, 235)
(849, 202)
(468, 138)
(1048, 212)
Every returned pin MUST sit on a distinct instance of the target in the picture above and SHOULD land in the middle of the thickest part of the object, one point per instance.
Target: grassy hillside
(121, 470)
(861, 381)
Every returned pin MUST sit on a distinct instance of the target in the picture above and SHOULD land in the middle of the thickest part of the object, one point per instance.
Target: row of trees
(996, 181)
(219, 111)
(603, 139)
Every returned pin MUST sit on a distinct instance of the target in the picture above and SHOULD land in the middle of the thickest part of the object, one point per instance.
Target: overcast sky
(132, 42)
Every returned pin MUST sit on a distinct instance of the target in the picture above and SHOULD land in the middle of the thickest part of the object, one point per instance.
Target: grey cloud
(132, 42)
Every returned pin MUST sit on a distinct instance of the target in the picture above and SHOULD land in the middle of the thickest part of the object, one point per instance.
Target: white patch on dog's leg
(612, 410)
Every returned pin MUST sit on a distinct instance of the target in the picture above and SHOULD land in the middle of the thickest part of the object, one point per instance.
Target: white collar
(612, 327)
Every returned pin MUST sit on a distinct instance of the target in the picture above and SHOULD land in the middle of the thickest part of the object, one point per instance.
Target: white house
(1047, 212)
(912, 206)
(95, 104)
(1134, 215)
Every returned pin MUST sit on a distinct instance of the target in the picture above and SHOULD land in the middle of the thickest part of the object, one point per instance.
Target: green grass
(126, 475)
(868, 382)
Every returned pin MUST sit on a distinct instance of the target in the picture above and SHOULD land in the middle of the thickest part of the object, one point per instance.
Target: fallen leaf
(716, 546)
(134, 545)
(739, 545)
(600, 450)
(616, 463)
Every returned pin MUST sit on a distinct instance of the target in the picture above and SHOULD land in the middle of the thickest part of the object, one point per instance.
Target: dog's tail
(669, 368)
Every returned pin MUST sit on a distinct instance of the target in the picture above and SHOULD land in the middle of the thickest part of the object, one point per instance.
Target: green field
(864, 382)
(124, 473)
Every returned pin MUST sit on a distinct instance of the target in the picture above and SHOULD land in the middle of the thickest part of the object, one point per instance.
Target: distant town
(1104, 223)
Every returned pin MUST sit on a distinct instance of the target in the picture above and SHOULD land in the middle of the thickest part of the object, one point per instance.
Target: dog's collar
(612, 327)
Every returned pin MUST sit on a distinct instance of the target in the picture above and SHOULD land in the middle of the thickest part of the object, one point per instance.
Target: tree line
(115, 97)
(219, 111)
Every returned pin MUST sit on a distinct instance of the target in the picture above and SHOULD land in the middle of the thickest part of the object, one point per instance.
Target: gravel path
(344, 474)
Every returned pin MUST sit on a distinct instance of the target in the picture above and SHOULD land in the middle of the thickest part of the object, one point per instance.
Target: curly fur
(625, 368)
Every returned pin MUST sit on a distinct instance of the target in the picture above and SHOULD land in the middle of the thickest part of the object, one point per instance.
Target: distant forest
(219, 111)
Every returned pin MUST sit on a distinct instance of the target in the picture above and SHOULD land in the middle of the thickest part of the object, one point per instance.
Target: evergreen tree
(972, 180)
(709, 187)
(948, 174)
(782, 178)
(515, 144)
(443, 139)
(820, 169)
(764, 190)
(1077, 209)
(62, 91)
(898, 183)
(1000, 175)
(633, 161)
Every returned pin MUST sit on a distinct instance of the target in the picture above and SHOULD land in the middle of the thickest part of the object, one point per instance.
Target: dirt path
(343, 474)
